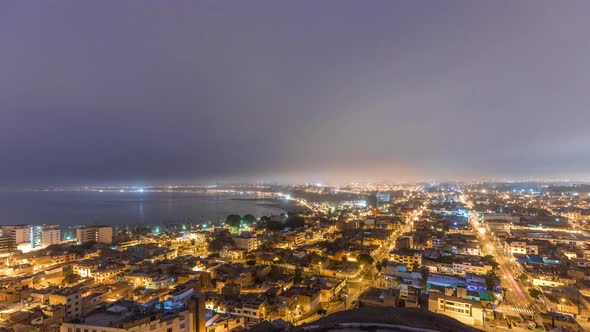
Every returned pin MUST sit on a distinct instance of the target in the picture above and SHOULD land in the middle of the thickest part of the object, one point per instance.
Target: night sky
(195, 91)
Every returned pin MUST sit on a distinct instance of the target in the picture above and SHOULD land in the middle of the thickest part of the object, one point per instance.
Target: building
(36, 232)
(466, 311)
(224, 323)
(27, 237)
(149, 281)
(20, 234)
(127, 316)
(502, 217)
(403, 242)
(7, 244)
(50, 234)
(523, 248)
(384, 197)
(475, 267)
(71, 299)
(94, 233)
(245, 243)
(295, 238)
(372, 201)
(412, 258)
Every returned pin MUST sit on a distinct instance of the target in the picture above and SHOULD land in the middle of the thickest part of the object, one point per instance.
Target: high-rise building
(18, 236)
(50, 234)
(19, 233)
(384, 197)
(30, 236)
(94, 233)
(372, 201)
(35, 236)
(7, 244)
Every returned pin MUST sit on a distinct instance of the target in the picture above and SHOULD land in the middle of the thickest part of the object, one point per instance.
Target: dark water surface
(116, 208)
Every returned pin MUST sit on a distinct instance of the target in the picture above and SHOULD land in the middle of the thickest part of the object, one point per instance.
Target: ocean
(71, 208)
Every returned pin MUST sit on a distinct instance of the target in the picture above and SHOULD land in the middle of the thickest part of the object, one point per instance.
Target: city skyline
(287, 166)
(326, 92)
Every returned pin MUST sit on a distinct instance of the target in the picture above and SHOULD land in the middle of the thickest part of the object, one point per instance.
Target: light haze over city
(330, 91)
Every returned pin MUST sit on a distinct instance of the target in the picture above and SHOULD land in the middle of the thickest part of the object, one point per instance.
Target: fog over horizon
(155, 92)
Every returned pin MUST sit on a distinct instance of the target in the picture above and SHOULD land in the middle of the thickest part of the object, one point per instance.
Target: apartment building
(71, 299)
(406, 256)
(467, 311)
(94, 233)
(245, 243)
(128, 316)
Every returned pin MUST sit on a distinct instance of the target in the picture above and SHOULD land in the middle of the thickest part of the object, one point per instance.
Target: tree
(378, 266)
(365, 259)
(219, 242)
(69, 277)
(504, 291)
(249, 220)
(274, 225)
(491, 280)
(535, 293)
(251, 262)
(313, 257)
(297, 278)
(490, 260)
(233, 220)
(425, 272)
(295, 221)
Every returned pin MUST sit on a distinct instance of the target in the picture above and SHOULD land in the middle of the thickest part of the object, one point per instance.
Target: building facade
(103, 234)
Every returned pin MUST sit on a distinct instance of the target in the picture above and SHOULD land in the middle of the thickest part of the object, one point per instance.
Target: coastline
(289, 206)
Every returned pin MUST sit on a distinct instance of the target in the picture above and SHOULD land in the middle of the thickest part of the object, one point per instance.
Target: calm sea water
(115, 208)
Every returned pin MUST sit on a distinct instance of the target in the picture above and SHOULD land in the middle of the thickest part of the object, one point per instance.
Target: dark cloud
(156, 91)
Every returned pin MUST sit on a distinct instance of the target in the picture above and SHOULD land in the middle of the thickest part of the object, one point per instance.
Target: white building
(28, 237)
(19, 233)
(463, 268)
(523, 248)
(50, 234)
(95, 233)
(245, 243)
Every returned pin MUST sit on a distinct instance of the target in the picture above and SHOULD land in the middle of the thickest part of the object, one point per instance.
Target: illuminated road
(516, 299)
